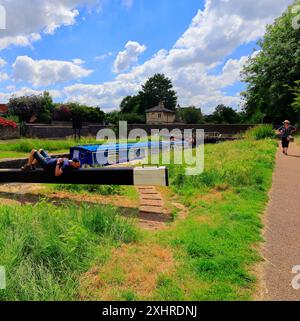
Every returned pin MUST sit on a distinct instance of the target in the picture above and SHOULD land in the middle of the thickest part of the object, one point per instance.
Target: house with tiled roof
(160, 115)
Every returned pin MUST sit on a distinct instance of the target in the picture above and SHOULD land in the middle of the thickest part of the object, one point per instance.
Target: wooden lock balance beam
(148, 176)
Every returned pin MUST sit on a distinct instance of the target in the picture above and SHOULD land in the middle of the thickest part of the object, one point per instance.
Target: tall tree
(38, 106)
(296, 93)
(191, 115)
(47, 108)
(158, 88)
(225, 115)
(131, 104)
(273, 71)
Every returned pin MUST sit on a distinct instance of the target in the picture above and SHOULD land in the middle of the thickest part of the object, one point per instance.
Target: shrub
(62, 113)
(12, 118)
(260, 132)
(7, 123)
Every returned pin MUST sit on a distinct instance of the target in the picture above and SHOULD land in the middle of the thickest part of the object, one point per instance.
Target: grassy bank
(216, 244)
(66, 253)
(211, 254)
(45, 249)
(25, 145)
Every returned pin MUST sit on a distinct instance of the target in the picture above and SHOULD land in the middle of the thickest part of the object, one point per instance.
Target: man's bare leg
(31, 158)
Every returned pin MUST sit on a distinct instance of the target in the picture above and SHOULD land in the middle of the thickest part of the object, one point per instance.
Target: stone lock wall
(59, 131)
(9, 133)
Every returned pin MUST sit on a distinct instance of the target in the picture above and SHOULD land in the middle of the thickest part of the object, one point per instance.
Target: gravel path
(282, 232)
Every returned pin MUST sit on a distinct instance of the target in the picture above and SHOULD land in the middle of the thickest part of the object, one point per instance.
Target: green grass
(260, 132)
(45, 249)
(25, 145)
(215, 246)
(9, 154)
(104, 190)
(96, 189)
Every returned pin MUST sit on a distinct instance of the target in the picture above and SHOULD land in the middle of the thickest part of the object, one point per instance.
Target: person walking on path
(285, 132)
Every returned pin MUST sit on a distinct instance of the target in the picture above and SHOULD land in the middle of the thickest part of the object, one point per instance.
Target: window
(159, 115)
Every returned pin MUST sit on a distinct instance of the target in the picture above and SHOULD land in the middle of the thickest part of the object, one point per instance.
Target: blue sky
(98, 51)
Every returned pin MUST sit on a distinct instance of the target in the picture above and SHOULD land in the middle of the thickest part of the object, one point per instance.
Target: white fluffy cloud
(2, 62)
(214, 34)
(47, 72)
(78, 61)
(25, 91)
(104, 56)
(3, 76)
(106, 95)
(128, 57)
(27, 20)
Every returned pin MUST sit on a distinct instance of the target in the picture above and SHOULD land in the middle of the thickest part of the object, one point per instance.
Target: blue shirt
(66, 167)
(51, 163)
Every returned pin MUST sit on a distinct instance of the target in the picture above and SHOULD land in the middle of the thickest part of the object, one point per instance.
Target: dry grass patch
(8, 202)
(132, 273)
(118, 201)
(205, 219)
(212, 196)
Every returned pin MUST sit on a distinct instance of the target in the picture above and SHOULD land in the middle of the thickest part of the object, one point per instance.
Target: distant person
(77, 126)
(58, 166)
(192, 142)
(285, 132)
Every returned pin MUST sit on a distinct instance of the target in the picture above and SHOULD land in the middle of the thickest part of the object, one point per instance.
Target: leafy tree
(112, 117)
(273, 71)
(40, 106)
(131, 104)
(132, 118)
(225, 115)
(23, 107)
(157, 88)
(47, 108)
(62, 113)
(191, 115)
(296, 94)
(85, 113)
(94, 115)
